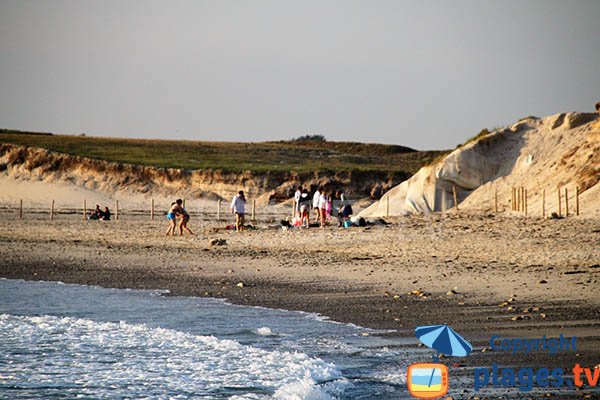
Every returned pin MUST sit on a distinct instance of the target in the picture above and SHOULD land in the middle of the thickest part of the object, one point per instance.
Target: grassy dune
(230, 156)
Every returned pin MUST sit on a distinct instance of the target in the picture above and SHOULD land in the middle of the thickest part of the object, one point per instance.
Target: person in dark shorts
(238, 207)
(185, 218)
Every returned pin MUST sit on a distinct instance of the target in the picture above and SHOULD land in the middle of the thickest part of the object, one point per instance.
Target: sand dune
(557, 152)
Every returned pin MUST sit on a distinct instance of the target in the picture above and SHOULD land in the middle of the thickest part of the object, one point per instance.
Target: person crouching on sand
(185, 218)
(238, 207)
(172, 217)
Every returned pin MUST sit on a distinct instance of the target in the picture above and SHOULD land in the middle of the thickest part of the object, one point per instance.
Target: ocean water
(72, 341)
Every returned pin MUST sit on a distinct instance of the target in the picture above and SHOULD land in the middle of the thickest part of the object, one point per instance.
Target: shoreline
(396, 280)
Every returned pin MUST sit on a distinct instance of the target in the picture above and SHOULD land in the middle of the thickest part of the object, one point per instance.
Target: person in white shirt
(297, 201)
(315, 204)
(323, 200)
(238, 207)
(304, 208)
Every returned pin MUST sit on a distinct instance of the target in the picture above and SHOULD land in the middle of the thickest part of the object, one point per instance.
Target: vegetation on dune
(296, 155)
(310, 138)
(482, 133)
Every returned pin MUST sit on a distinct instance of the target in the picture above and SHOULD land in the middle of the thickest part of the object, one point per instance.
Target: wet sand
(481, 274)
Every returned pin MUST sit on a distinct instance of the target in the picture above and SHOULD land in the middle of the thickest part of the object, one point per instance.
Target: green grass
(481, 134)
(296, 156)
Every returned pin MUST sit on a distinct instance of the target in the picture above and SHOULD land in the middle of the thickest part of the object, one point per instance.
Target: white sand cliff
(556, 152)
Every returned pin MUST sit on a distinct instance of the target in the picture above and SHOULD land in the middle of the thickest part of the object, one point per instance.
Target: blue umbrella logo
(443, 339)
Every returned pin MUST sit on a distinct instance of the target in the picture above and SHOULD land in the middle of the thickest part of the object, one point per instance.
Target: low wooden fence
(219, 213)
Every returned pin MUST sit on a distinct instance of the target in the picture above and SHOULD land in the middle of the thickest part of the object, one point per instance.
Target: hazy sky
(427, 74)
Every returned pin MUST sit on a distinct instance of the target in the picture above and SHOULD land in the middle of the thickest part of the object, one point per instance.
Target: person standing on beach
(185, 218)
(316, 198)
(304, 203)
(323, 202)
(238, 207)
(172, 217)
(297, 201)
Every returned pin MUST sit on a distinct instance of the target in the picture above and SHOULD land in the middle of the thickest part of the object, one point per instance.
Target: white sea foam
(265, 331)
(397, 377)
(159, 292)
(109, 359)
(303, 389)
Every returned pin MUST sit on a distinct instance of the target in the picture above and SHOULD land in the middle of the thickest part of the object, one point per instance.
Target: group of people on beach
(321, 201)
(99, 214)
(178, 211)
(324, 203)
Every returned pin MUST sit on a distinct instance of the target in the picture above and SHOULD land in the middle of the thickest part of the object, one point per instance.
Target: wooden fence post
(21, 209)
(84, 209)
(52, 211)
(152, 210)
(543, 203)
(520, 200)
(566, 202)
(559, 202)
(454, 196)
(577, 200)
(512, 199)
(253, 209)
(525, 200)
(495, 200)
(219, 210)
(117, 210)
(387, 206)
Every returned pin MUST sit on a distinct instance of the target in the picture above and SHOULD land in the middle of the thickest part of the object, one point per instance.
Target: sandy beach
(480, 273)
(453, 147)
